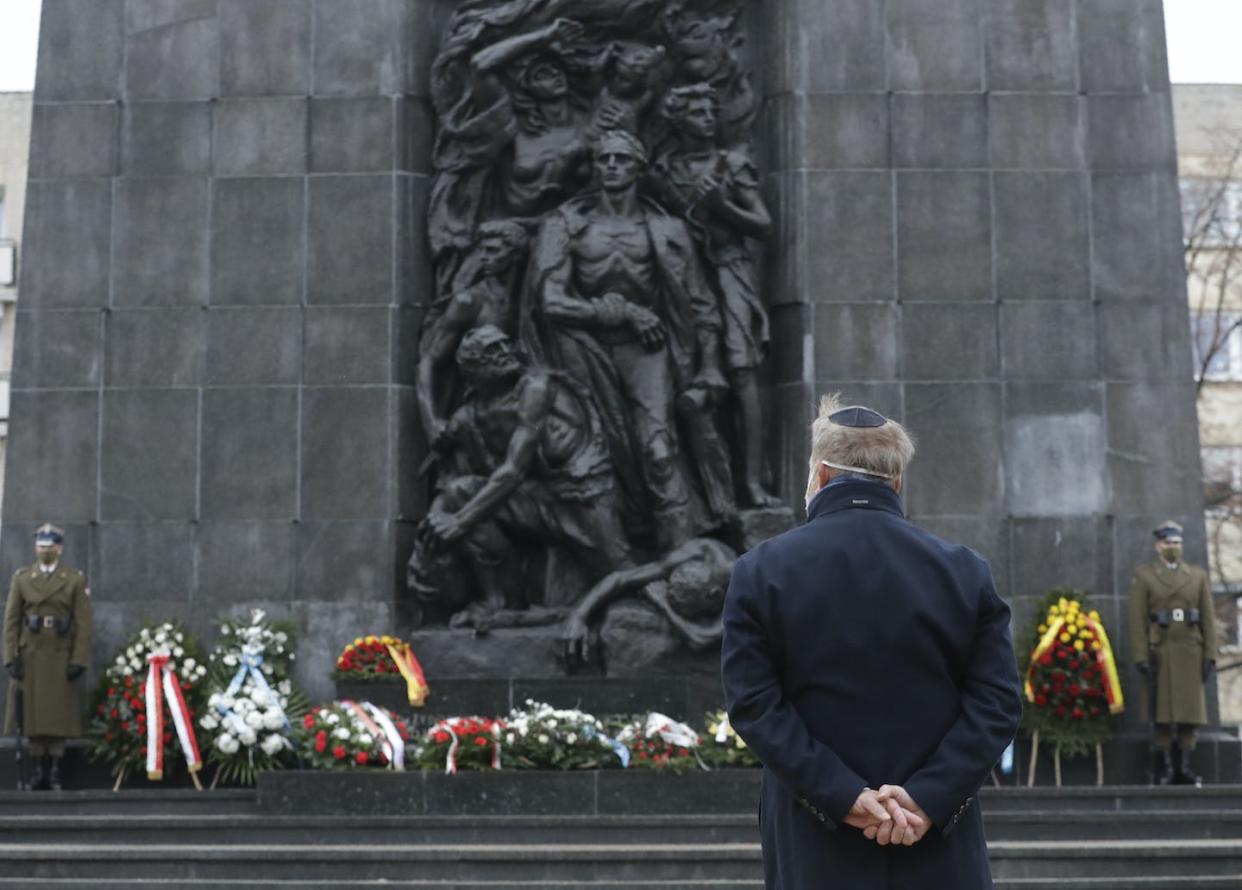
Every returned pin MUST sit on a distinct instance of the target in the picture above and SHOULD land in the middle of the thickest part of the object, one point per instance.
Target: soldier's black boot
(53, 775)
(1164, 767)
(38, 775)
(1185, 775)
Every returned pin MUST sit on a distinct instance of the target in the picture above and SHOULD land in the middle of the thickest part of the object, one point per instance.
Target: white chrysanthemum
(342, 733)
(333, 717)
(273, 745)
(209, 721)
(161, 638)
(281, 637)
(129, 672)
(178, 652)
(230, 660)
(510, 738)
(120, 661)
(248, 737)
(274, 719)
(267, 669)
(285, 687)
(551, 724)
(226, 701)
(200, 671)
(225, 630)
(213, 700)
(131, 652)
(189, 663)
(543, 739)
(227, 743)
(259, 697)
(180, 638)
(254, 720)
(571, 738)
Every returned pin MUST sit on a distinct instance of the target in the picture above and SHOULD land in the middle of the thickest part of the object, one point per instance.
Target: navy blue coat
(860, 650)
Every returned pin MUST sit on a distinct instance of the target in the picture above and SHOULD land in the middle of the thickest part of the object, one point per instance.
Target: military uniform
(1173, 631)
(47, 639)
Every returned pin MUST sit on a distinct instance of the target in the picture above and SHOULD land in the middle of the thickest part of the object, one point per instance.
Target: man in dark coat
(869, 665)
(47, 644)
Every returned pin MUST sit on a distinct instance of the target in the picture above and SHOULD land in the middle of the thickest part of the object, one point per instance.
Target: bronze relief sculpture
(587, 374)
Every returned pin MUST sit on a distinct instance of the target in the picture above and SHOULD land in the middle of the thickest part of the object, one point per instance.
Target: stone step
(153, 801)
(1133, 883)
(1115, 859)
(137, 826)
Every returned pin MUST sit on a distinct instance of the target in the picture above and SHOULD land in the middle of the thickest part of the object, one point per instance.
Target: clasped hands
(888, 816)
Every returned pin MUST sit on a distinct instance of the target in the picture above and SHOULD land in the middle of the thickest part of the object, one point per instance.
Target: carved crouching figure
(536, 472)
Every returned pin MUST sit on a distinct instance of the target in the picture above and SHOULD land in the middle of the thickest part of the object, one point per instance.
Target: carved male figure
(488, 299)
(622, 298)
(717, 190)
(1173, 631)
(539, 475)
(696, 573)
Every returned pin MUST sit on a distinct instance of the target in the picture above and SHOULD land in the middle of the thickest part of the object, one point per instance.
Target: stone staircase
(1070, 839)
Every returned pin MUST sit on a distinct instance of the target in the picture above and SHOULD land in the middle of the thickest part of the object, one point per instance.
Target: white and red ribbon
(162, 683)
(382, 729)
(450, 762)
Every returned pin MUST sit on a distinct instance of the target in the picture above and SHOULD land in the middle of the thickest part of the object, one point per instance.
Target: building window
(1211, 212)
(1218, 342)
(1222, 476)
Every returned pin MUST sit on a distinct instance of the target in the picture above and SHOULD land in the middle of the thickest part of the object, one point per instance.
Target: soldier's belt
(36, 623)
(1175, 616)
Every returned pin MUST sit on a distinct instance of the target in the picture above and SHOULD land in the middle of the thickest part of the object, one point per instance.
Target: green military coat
(1180, 649)
(52, 706)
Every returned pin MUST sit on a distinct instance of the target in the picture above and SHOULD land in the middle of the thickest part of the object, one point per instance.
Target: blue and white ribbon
(252, 665)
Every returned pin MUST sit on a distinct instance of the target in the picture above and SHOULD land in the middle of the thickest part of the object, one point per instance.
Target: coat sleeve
(1207, 617)
(991, 706)
(763, 717)
(1138, 619)
(82, 626)
(12, 621)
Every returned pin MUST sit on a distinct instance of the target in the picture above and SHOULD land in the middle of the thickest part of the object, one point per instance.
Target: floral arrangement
(1072, 686)
(118, 730)
(724, 747)
(463, 743)
(384, 657)
(349, 735)
(253, 698)
(539, 736)
(659, 742)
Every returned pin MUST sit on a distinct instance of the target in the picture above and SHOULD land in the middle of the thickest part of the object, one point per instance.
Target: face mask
(1171, 554)
(47, 557)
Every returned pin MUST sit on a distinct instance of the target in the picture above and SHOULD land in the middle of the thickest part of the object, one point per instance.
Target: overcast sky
(1203, 41)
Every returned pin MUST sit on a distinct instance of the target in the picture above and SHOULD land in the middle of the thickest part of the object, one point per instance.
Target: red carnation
(1060, 712)
(1041, 700)
(1046, 658)
(480, 742)
(441, 737)
(1078, 714)
(1075, 690)
(339, 752)
(111, 691)
(308, 721)
(321, 742)
(361, 757)
(1095, 710)
(129, 682)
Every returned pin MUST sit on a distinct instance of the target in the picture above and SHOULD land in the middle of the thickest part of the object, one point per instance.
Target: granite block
(1055, 447)
(357, 792)
(1127, 261)
(358, 47)
(353, 135)
(1063, 551)
(416, 133)
(172, 49)
(265, 48)
(1048, 340)
(81, 50)
(794, 411)
(949, 341)
(1160, 327)
(958, 426)
(258, 241)
(1041, 234)
(650, 791)
(154, 347)
(940, 131)
(826, 46)
(149, 562)
(160, 248)
(345, 453)
(1121, 46)
(149, 455)
(166, 138)
(241, 562)
(52, 456)
(250, 453)
(1034, 131)
(834, 233)
(934, 47)
(1131, 409)
(840, 130)
(944, 236)
(67, 239)
(260, 136)
(414, 282)
(409, 450)
(855, 341)
(1130, 132)
(254, 345)
(538, 792)
(407, 323)
(1029, 46)
(58, 349)
(73, 139)
(347, 346)
(351, 239)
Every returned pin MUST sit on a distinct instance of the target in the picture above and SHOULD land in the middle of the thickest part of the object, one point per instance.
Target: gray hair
(869, 451)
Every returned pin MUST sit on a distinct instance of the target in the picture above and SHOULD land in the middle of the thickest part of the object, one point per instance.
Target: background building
(15, 111)
(1208, 122)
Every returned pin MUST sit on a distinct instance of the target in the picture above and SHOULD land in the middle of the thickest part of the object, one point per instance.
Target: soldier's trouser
(1187, 735)
(47, 744)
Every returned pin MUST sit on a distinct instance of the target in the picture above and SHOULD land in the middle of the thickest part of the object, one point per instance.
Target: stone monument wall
(976, 230)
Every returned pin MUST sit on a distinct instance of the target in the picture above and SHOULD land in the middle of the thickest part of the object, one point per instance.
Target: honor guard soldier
(47, 641)
(1173, 630)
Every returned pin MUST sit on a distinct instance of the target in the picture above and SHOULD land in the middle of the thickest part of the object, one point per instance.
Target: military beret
(1168, 531)
(49, 534)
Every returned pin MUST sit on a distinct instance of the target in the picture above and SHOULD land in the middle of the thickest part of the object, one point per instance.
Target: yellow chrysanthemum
(1097, 646)
(1095, 616)
(1079, 645)
(357, 641)
(1043, 628)
(1065, 638)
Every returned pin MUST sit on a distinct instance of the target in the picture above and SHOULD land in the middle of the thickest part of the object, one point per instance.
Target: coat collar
(847, 494)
